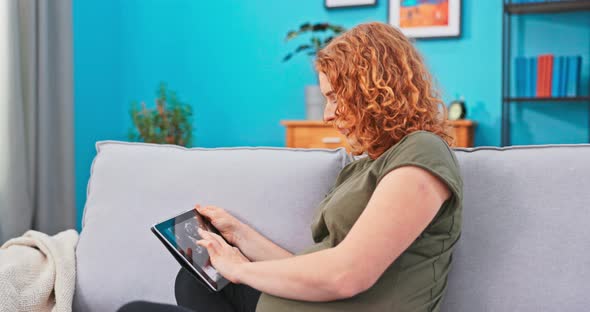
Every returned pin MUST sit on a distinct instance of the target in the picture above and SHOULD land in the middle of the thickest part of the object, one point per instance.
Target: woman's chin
(351, 140)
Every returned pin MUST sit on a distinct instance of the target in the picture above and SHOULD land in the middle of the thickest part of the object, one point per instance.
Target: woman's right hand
(228, 226)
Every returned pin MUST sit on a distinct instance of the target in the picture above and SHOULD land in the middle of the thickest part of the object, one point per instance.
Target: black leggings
(192, 296)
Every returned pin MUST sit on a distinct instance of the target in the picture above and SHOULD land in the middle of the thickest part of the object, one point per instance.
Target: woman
(385, 233)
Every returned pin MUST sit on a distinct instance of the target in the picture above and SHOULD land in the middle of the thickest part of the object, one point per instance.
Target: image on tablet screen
(186, 236)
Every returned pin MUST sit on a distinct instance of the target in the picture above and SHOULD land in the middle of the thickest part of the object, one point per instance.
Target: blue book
(555, 76)
(533, 77)
(520, 65)
(517, 82)
(563, 77)
(527, 77)
(523, 75)
(573, 75)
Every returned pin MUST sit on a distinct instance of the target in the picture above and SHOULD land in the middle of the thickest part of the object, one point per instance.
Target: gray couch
(525, 244)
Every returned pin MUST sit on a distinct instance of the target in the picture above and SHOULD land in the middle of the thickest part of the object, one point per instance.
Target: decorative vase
(314, 103)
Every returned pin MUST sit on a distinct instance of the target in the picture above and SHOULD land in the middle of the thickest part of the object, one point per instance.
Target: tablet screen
(181, 232)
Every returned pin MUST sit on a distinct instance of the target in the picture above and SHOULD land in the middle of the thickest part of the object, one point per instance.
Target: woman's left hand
(225, 258)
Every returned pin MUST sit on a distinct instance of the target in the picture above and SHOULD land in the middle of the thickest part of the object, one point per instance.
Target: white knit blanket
(38, 272)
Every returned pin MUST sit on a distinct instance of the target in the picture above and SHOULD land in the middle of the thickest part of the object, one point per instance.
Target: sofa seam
(89, 184)
(518, 147)
(206, 149)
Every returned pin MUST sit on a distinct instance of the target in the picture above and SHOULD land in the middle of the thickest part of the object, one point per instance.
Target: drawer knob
(331, 140)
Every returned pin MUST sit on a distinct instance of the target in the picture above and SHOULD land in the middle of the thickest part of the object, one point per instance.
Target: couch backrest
(525, 244)
(135, 185)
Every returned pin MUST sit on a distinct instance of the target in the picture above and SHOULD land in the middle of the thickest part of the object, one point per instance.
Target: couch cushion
(135, 185)
(525, 244)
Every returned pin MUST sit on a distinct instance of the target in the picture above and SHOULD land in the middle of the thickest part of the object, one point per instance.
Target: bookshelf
(547, 7)
(510, 8)
(548, 99)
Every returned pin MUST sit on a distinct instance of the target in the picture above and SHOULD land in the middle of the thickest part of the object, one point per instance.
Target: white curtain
(36, 117)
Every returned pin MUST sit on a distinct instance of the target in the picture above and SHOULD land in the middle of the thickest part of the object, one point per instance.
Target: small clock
(457, 110)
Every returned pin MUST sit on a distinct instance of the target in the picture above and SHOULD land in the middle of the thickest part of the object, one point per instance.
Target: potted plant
(314, 100)
(170, 122)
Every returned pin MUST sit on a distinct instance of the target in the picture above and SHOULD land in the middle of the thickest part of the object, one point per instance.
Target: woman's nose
(329, 113)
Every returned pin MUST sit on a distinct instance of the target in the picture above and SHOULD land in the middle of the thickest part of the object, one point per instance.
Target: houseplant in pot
(170, 122)
(321, 35)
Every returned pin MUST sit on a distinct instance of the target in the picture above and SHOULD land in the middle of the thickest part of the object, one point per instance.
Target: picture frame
(424, 19)
(336, 4)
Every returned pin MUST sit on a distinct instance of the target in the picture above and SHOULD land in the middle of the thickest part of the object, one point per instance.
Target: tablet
(179, 235)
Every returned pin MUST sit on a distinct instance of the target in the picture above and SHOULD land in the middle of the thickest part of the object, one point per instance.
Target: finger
(217, 209)
(202, 213)
(222, 218)
(208, 236)
(201, 209)
(218, 239)
(208, 211)
(208, 245)
(214, 209)
(189, 253)
(205, 234)
(212, 239)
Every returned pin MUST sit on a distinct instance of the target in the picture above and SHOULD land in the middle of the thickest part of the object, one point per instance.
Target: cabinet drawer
(317, 137)
(317, 134)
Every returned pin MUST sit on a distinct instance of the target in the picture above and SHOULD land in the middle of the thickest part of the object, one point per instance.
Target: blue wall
(99, 112)
(224, 57)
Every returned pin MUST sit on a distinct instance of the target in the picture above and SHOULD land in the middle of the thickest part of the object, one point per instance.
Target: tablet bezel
(202, 276)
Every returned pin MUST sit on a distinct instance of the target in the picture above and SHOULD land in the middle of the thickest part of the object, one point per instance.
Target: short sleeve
(425, 150)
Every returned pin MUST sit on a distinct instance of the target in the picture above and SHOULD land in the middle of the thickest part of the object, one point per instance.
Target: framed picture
(332, 4)
(426, 18)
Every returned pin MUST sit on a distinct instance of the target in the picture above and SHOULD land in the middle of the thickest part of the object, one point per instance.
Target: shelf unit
(546, 7)
(509, 10)
(548, 99)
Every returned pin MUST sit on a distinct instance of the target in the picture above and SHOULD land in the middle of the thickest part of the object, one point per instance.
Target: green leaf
(291, 34)
(305, 27)
(320, 27)
(337, 29)
(302, 47)
(317, 44)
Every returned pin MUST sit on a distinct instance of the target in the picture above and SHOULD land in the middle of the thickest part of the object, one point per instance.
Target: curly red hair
(383, 89)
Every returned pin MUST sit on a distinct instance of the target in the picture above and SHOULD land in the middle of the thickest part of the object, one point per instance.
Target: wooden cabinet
(462, 131)
(317, 134)
(313, 134)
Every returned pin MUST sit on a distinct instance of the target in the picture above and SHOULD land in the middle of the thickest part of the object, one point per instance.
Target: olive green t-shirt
(416, 280)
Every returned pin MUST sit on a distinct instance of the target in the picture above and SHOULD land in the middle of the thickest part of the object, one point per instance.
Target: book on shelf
(543, 71)
(533, 79)
(555, 81)
(521, 81)
(547, 75)
(573, 75)
(562, 76)
(535, 1)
